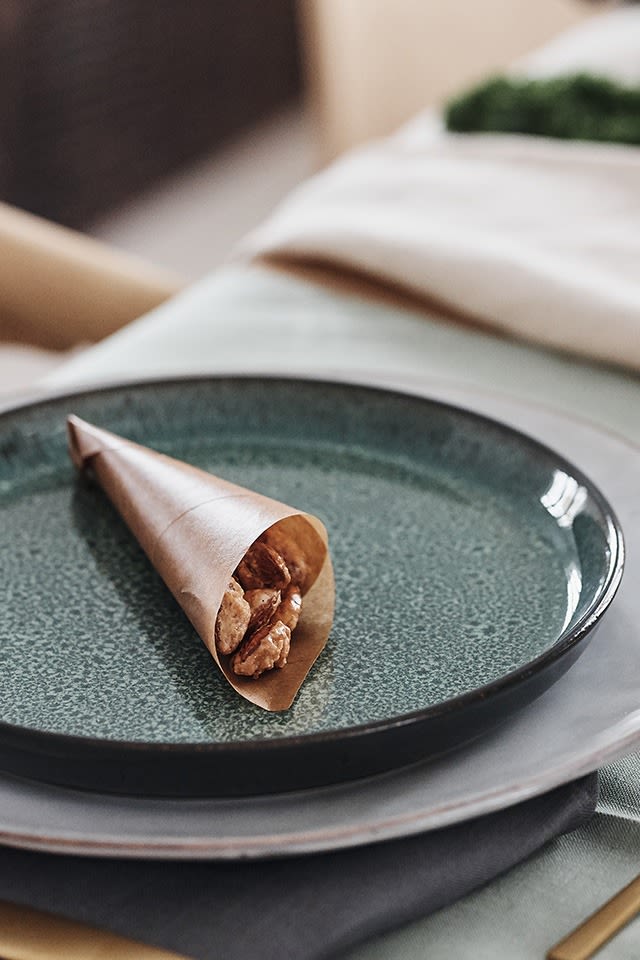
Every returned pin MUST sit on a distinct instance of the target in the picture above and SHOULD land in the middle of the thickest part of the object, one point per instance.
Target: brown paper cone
(195, 528)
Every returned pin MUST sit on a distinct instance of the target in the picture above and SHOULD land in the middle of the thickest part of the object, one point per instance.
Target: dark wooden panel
(116, 93)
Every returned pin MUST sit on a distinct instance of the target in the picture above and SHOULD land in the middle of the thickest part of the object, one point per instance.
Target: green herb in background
(573, 107)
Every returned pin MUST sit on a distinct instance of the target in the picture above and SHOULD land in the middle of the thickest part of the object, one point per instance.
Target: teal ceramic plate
(471, 564)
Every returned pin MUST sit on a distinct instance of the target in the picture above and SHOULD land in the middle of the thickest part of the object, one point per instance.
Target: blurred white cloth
(608, 45)
(21, 366)
(537, 237)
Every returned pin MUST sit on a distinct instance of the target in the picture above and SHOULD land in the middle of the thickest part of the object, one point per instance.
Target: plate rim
(614, 741)
(565, 642)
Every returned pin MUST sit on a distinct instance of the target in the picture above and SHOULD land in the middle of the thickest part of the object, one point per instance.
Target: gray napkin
(303, 908)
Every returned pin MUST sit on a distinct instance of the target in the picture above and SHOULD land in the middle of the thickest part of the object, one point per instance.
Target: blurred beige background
(369, 66)
(372, 64)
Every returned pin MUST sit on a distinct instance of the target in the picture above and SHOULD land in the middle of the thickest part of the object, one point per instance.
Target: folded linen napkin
(306, 908)
(538, 238)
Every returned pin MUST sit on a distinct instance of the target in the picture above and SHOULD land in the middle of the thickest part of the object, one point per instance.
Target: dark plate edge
(567, 641)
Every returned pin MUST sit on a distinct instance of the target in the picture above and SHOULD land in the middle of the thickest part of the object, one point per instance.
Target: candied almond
(293, 556)
(233, 619)
(289, 609)
(264, 604)
(262, 567)
(263, 650)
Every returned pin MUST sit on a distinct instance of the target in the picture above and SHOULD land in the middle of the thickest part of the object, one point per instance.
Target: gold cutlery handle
(27, 934)
(601, 926)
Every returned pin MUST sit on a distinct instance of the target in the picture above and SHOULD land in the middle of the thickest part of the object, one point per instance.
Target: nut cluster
(261, 606)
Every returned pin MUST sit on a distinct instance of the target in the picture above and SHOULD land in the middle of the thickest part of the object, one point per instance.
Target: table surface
(245, 320)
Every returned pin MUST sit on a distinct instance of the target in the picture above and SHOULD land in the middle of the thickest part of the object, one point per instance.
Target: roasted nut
(289, 550)
(289, 609)
(262, 567)
(233, 619)
(264, 604)
(263, 650)
(262, 639)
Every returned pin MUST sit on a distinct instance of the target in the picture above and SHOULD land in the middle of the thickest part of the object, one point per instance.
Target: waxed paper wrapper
(195, 528)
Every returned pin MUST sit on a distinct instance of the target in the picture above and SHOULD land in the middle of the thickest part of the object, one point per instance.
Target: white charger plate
(589, 717)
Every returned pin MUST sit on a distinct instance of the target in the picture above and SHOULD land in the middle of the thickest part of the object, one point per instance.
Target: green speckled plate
(471, 563)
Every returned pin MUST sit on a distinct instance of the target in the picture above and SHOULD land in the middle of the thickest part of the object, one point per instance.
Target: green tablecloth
(243, 320)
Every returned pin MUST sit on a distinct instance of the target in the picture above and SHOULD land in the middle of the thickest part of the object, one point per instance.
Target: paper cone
(196, 528)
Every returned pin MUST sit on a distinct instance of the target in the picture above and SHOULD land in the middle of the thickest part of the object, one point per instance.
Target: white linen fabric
(537, 237)
(607, 45)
